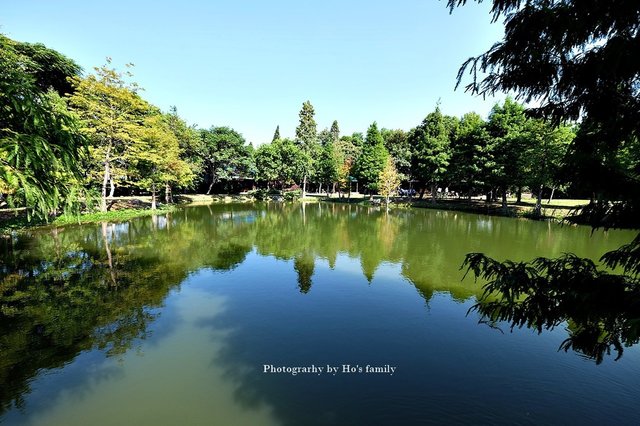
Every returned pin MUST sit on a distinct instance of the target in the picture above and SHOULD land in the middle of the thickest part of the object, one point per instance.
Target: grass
(112, 216)
(20, 223)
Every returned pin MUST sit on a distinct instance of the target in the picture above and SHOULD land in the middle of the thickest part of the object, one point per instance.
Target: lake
(290, 314)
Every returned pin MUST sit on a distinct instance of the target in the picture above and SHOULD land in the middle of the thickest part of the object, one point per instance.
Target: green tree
(579, 65)
(111, 113)
(544, 157)
(372, 159)
(307, 141)
(507, 127)
(190, 143)
(267, 163)
(329, 164)
(431, 150)
(40, 141)
(397, 144)
(50, 68)
(470, 155)
(280, 163)
(155, 158)
(335, 131)
(276, 134)
(225, 155)
(388, 181)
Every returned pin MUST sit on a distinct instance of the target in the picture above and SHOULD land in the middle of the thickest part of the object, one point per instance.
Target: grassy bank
(125, 208)
(557, 210)
(10, 223)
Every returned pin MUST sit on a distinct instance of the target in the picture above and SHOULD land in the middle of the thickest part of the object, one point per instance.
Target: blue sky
(251, 64)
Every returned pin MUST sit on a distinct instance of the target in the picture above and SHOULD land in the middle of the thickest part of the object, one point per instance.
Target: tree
(50, 68)
(335, 131)
(508, 147)
(372, 159)
(431, 153)
(40, 141)
(307, 141)
(267, 163)
(111, 112)
(155, 158)
(329, 164)
(397, 144)
(281, 162)
(388, 181)
(224, 154)
(580, 65)
(470, 155)
(189, 141)
(544, 156)
(276, 134)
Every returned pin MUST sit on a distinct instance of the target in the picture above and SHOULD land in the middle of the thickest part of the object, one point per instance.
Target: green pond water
(173, 320)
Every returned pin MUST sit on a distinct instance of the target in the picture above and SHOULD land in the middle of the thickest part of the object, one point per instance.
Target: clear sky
(251, 64)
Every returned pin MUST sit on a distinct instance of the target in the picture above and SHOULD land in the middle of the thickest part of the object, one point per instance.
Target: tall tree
(50, 68)
(307, 140)
(372, 159)
(154, 158)
(581, 64)
(388, 181)
(111, 112)
(431, 151)
(40, 142)
(471, 159)
(544, 156)
(189, 141)
(225, 155)
(276, 134)
(397, 143)
(509, 141)
(335, 131)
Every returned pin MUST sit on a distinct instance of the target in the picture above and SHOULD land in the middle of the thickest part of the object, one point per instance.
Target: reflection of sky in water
(385, 290)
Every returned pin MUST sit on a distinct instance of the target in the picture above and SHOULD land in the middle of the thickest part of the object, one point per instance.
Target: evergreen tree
(372, 159)
(307, 141)
(276, 134)
(431, 150)
(471, 158)
(335, 131)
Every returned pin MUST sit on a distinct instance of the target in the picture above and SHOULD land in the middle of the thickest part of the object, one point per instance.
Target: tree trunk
(168, 198)
(210, 186)
(112, 189)
(422, 192)
(433, 193)
(105, 180)
(304, 186)
(488, 197)
(153, 196)
(504, 200)
(553, 189)
(319, 188)
(519, 195)
(538, 210)
(108, 250)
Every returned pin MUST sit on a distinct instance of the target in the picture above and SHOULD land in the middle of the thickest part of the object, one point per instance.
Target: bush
(291, 195)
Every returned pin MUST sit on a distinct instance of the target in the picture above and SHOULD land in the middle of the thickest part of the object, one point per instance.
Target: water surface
(171, 320)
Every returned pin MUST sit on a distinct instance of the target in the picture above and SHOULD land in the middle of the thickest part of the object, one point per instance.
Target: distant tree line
(68, 139)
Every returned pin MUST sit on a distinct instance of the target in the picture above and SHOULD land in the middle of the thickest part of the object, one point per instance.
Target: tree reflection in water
(601, 309)
(77, 288)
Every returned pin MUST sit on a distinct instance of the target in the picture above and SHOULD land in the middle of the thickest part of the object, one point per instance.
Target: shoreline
(125, 208)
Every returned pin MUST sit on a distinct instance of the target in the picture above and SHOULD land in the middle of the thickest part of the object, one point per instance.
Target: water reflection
(65, 291)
